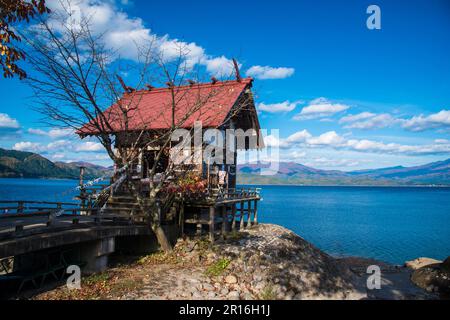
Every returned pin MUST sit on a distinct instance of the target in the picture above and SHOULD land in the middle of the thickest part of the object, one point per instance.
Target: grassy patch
(159, 258)
(268, 293)
(218, 267)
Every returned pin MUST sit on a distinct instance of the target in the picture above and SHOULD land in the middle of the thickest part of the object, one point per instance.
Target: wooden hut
(222, 105)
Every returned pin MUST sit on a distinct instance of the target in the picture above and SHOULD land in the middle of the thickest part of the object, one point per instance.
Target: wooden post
(20, 207)
(181, 220)
(224, 221)
(242, 226)
(233, 212)
(212, 211)
(255, 219)
(249, 212)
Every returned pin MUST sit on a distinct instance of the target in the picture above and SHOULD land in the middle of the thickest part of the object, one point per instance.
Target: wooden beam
(224, 221)
(249, 212)
(181, 220)
(255, 218)
(242, 226)
(212, 211)
(233, 212)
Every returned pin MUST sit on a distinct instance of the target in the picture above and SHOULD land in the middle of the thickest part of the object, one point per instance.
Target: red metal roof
(209, 103)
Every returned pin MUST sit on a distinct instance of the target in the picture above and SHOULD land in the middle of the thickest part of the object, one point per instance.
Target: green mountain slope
(14, 164)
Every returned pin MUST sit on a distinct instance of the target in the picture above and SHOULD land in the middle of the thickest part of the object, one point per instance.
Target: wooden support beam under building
(224, 214)
(241, 209)
(249, 212)
(255, 219)
(233, 212)
(212, 211)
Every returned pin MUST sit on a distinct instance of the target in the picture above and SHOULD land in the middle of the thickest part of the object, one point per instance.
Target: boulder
(433, 278)
(231, 279)
(446, 265)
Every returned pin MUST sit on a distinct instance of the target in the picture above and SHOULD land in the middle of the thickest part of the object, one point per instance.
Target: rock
(432, 278)
(208, 287)
(231, 279)
(211, 295)
(234, 295)
(421, 262)
(446, 265)
(224, 291)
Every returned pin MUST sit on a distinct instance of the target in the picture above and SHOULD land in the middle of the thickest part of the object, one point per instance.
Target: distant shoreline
(281, 185)
(347, 186)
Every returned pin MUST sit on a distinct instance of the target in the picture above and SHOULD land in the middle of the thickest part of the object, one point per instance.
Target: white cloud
(320, 108)
(433, 121)
(300, 136)
(6, 122)
(89, 146)
(330, 138)
(285, 106)
(379, 121)
(267, 72)
(332, 163)
(53, 133)
(220, 66)
(28, 146)
(357, 117)
(127, 36)
(59, 146)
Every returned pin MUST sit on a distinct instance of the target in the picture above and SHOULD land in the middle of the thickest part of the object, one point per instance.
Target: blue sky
(342, 96)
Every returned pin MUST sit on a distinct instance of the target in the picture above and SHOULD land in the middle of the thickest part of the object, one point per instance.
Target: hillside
(436, 173)
(20, 164)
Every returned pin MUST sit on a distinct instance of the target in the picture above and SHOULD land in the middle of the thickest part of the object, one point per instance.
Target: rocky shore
(264, 262)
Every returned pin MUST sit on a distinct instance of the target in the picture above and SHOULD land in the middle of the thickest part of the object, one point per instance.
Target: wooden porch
(224, 211)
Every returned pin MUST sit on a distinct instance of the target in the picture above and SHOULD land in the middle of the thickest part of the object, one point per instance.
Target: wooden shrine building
(220, 105)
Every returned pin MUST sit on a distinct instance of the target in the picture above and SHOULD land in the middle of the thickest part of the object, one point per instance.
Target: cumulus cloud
(6, 122)
(356, 117)
(320, 108)
(267, 72)
(53, 133)
(285, 106)
(126, 36)
(299, 136)
(331, 139)
(433, 121)
(375, 121)
(89, 146)
(28, 146)
(58, 146)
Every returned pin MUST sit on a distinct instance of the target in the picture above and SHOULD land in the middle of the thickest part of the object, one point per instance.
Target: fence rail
(10, 208)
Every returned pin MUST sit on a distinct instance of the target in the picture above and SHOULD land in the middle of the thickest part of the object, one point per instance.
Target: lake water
(390, 224)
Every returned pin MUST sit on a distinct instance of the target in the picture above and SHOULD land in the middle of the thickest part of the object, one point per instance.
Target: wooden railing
(27, 207)
(236, 193)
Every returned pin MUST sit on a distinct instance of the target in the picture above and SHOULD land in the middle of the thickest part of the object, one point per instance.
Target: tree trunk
(162, 238)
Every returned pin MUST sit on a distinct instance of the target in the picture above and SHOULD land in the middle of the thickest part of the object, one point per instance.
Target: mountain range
(15, 164)
(436, 173)
(20, 164)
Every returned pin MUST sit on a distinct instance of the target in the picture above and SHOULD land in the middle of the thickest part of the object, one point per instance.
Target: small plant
(218, 267)
(268, 293)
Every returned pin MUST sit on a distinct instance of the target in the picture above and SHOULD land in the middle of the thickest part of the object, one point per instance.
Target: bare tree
(76, 77)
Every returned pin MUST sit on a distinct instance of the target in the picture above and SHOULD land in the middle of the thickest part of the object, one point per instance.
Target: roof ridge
(246, 81)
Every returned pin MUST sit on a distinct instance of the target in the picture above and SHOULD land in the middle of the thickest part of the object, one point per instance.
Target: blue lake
(390, 224)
